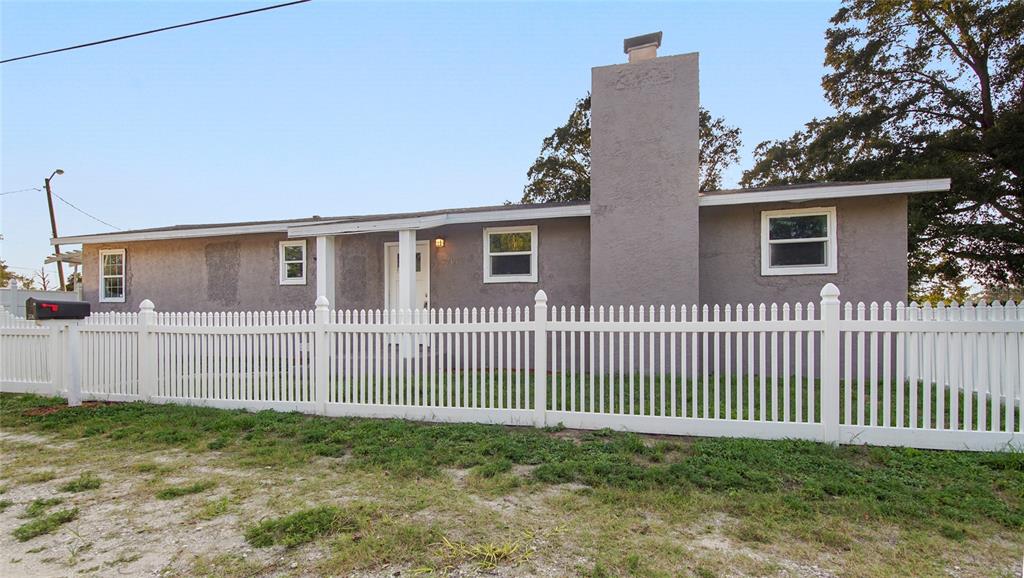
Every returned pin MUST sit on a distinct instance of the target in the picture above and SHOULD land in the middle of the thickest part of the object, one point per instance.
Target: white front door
(422, 275)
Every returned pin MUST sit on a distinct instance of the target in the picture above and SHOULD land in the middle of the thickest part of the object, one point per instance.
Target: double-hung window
(112, 286)
(510, 255)
(292, 256)
(799, 241)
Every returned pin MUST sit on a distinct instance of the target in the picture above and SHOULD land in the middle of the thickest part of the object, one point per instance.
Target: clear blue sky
(337, 108)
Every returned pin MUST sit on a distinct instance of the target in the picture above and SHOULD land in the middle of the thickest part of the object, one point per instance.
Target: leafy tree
(928, 88)
(6, 276)
(562, 171)
(719, 149)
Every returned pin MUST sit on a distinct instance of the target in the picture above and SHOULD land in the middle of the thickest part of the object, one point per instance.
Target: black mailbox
(48, 309)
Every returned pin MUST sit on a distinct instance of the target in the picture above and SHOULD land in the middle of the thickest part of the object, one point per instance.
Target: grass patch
(787, 482)
(4, 504)
(39, 507)
(149, 468)
(307, 525)
(486, 555)
(39, 477)
(173, 492)
(213, 509)
(44, 525)
(83, 483)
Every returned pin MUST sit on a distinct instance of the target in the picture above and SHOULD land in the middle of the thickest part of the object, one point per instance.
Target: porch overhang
(350, 227)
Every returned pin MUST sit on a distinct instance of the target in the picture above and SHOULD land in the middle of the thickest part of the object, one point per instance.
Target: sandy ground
(123, 530)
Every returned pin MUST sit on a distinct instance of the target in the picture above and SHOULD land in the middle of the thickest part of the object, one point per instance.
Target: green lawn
(598, 503)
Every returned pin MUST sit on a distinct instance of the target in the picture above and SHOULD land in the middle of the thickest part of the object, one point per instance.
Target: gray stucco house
(646, 236)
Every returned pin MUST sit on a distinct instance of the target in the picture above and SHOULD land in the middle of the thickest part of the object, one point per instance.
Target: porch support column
(325, 279)
(406, 269)
(406, 285)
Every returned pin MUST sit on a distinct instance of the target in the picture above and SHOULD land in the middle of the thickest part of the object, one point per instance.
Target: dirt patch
(51, 409)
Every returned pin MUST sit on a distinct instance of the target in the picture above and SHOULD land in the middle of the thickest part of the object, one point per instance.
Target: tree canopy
(562, 171)
(6, 276)
(928, 88)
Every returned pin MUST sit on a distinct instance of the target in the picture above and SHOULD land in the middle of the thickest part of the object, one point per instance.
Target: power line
(94, 217)
(193, 23)
(20, 191)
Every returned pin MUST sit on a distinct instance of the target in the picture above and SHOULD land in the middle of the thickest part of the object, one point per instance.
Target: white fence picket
(924, 376)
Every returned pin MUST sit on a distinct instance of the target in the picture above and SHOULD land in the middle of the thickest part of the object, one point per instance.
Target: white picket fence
(919, 376)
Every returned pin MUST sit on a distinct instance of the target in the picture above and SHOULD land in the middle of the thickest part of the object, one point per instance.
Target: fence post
(147, 351)
(74, 360)
(58, 335)
(320, 357)
(540, 362)
(830, 363)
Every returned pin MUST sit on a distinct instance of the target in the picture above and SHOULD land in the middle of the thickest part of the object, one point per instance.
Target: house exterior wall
(563, 264)
(456, 270)
(240, 273)
(871, 234)
(231, 273)
(644, 181)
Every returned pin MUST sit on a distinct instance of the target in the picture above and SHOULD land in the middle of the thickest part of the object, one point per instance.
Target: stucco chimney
(642, 47)
(643, 181)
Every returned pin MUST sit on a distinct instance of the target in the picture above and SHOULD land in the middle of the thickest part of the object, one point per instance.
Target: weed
(4, 504)
(704, 572)
(44, 525)
(598, 571)
(493, 468)
(86, 481)
(173, 492)
(39, 507)
(306, 525)
(125, 558)
(486, 555)
(39, 477)
(952, 532)
(213, 509)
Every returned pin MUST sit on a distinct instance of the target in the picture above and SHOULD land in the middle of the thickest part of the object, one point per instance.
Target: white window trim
(534, 242)
(831, 246)
(103, 276)
(282, 270)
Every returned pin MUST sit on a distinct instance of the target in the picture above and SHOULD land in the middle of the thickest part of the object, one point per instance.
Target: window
(112, 276)
(510, 255)
(798, 242)
(293, 262)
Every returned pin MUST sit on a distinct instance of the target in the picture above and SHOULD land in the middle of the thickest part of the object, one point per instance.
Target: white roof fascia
(432, 221)
(826, 192)
(313, 228)
(173, 234)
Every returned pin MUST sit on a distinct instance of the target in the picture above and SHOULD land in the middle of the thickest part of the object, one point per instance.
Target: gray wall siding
(456, 270)
(563, 261)
(237, 273)
(872, 243)
(240, 273)
(644, 152)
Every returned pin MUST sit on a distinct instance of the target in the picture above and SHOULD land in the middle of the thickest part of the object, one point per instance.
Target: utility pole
(53, 226)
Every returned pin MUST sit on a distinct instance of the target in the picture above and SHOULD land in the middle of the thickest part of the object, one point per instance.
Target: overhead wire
(154, 31)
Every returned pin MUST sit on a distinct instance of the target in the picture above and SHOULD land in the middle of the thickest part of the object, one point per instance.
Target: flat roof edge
(826, 191)
(540, 211)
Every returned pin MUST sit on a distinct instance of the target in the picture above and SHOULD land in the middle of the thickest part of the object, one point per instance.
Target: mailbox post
(62, 318)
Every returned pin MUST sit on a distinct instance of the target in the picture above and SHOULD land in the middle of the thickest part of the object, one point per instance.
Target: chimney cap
(652, 39)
